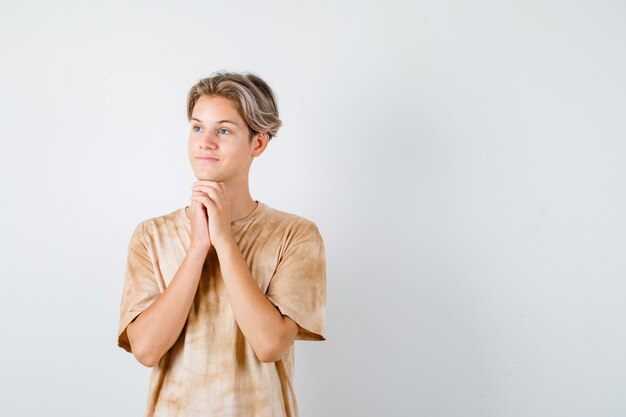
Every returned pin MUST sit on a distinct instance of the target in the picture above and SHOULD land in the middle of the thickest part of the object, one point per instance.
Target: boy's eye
(197, 128)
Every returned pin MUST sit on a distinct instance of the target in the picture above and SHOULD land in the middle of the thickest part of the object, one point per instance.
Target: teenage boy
(216, 292)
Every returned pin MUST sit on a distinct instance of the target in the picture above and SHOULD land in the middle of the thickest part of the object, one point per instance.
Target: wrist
(198, 250)
(224, 244)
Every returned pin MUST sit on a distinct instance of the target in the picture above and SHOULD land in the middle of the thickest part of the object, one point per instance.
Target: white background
(464, 162)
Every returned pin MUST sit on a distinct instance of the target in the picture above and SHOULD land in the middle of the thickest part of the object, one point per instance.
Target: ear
(259, 143)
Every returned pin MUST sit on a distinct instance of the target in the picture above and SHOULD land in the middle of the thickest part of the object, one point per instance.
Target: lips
(207, 158)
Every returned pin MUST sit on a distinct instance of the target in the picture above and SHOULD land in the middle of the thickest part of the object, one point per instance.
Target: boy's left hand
(212, 194)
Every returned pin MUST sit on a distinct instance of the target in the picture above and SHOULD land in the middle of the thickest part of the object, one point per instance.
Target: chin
(204, 176)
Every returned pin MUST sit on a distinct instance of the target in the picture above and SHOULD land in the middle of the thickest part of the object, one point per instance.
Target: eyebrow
(219, 121)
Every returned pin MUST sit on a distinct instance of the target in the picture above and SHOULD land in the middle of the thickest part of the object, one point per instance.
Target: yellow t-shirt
(212, 370)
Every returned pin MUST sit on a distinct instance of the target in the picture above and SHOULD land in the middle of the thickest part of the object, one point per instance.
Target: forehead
(213, 109)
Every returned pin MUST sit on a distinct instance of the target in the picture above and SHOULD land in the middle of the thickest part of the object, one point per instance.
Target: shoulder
(153, 225)
(292, 226)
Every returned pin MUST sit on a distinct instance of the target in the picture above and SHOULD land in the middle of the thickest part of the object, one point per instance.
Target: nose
(208, 141)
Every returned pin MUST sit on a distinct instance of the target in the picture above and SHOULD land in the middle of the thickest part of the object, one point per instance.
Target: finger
(206, 188)
(197, 208)
(201, 185)
(206, 201)
(196, 204)
(213, 194)
(197, 194)
(200, 194)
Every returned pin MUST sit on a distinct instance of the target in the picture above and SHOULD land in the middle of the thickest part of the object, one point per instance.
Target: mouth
(206, 159)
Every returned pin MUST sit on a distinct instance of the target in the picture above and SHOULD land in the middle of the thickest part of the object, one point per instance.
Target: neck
(241, 205)
(238, 193)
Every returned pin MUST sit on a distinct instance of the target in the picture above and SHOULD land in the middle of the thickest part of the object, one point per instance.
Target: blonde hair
(254, 99)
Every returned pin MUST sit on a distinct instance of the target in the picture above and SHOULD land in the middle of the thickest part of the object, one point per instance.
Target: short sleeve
(140, 286)
(298, 286)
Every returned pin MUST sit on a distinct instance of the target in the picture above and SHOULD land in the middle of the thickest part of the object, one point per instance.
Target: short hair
(254, 99)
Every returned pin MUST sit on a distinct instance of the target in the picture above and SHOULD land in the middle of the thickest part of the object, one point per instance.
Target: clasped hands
(210, 214)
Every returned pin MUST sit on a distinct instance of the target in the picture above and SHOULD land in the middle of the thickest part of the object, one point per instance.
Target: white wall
(463, 161)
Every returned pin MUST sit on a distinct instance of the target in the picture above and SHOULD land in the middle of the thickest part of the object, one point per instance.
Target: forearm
(259, 320)
(158, 327)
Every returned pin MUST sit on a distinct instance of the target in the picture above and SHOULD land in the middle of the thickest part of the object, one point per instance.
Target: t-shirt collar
(237, 224)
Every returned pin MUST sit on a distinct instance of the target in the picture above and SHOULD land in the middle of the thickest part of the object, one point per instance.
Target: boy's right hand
(200, 238)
